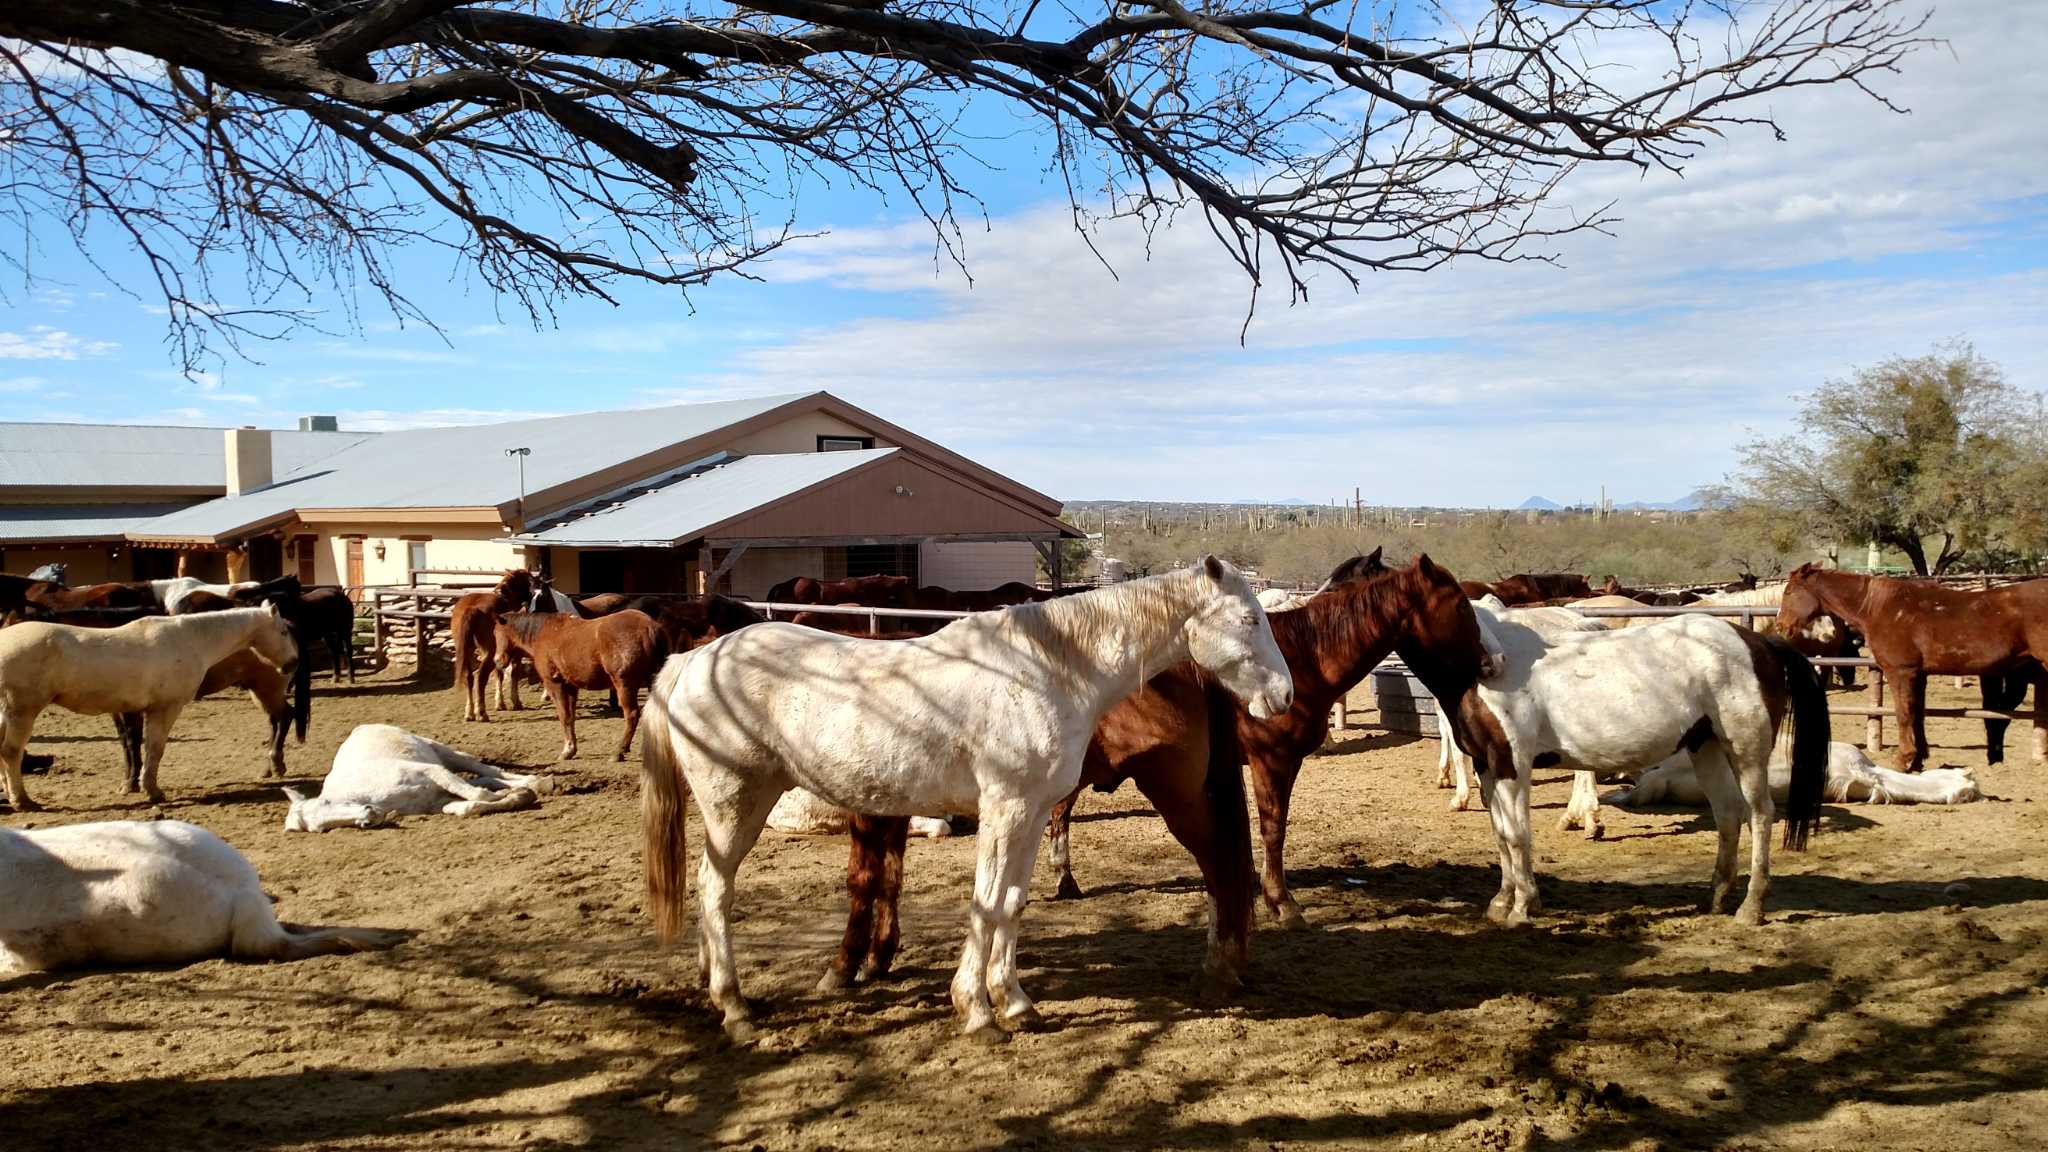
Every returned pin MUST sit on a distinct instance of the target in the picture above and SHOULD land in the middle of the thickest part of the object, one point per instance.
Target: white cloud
(42, 342)
(23, 384)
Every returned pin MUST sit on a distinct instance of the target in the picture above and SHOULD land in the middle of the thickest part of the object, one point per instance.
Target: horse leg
(510, 800)
(629, 707)
(1717, 777)
(1058, 840)
(1225, 857)
(991, 850)
(1584, 809)
(888, 926)
(1446, 747)
(347, 650)
(1908, 685)
(2001, 694)
(732, 823)
(1018, 823)
(564, 694)
(14, 729)
(1273, 787)
(874, 851)
(156, 732)
(128, 733)
(1752, 771)
(1507, 801)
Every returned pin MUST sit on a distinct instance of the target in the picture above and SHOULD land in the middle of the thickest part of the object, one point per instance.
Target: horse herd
(1172, 682)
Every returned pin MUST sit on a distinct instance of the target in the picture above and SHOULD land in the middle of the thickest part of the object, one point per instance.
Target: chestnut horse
(1181, 741)
(473, 623)
(684, 622)
(622, 652)
(1918, 628)
(866, 591)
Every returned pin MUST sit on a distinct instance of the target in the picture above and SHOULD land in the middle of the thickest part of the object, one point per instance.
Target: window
(416, 555)
(845, 443)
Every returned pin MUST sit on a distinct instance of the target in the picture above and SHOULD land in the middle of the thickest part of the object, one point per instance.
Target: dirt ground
(1897, 1000)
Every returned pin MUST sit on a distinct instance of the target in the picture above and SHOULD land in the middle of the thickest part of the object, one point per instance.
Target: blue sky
(1640, 363)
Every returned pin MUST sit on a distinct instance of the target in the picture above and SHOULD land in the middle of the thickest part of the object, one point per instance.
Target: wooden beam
(732, 556)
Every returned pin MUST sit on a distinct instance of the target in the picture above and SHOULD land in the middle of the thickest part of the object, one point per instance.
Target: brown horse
(325, 613)
(270, 688)
(1917, 628)
(866, 591)
(473, 623)
(622, 652)
(684, 622)
(1182, 738)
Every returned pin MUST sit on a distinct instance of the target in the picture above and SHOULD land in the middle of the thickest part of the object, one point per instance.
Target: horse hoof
(871, 971)
(741, 1031)
(1068, 890)
(1026, 1020)
(834, 980)
(1288, 918)
(1597, 832)
(27, 805)
(987, 1034)
(1750, 915)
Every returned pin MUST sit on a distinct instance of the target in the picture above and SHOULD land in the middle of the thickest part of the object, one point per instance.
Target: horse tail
(663, 801)
(1231, 840)
(302, 694)
(1808, 715)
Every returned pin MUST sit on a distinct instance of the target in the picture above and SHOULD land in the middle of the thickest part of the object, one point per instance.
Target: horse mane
(527, 625)
(1329, 620)
(1109, 612)
(1762, 596)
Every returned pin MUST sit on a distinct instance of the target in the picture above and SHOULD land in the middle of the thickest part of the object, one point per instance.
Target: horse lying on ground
(1917, 628)
(1620, 701)
(800, 813)
(991, 715)
(1852, 778)
(622, 652)
(382, 772)
(152, 666)
(144, 892)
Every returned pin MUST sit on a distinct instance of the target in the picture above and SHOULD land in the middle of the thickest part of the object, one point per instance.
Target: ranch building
(733, 495)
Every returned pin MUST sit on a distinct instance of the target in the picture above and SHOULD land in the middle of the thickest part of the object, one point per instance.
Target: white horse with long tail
(152, 666)
(1618, 702)
(990, 715)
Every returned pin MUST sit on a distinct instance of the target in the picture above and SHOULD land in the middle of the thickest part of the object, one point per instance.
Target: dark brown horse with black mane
(685, 622)
(866, 591)
(1181, 741)
(1918, 628)
(622, 652)
(1531, 588)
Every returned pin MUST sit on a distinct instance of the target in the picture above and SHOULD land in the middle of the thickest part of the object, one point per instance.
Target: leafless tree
(253, 151)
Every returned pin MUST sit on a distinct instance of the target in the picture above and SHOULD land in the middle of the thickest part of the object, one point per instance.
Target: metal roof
(74, 523)
(141, 456)
(462, 467)
(703, 497)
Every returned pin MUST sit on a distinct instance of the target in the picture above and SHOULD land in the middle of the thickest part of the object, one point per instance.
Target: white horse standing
(382, 772)
(990, 715)
(1619, 701)
(153, 666)
(143, 892)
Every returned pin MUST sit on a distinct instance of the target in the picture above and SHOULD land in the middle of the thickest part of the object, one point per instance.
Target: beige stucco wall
(799, 434)
(88, 563)
(977, 565)
(760, 569)
(464, 546)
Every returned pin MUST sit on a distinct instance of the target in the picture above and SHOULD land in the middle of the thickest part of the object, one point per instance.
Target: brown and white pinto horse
(1181, 741)
(472, 624)
(622, 652)
(1918, 628)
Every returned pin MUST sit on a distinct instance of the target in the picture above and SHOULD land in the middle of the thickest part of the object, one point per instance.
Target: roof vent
(319, 424)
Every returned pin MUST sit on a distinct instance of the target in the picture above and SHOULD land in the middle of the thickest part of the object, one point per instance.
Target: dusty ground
(1881, 1009)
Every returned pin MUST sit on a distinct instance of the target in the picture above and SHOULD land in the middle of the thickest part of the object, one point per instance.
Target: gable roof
(74, 523)
(718, 490)
(180, 460)
(573, 460)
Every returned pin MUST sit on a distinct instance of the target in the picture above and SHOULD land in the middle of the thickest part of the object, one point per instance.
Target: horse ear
(1372, 558)
(1425, 565)
(1213, 567)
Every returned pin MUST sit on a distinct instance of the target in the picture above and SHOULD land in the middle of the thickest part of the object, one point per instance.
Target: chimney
(248, 456)
(319, 424)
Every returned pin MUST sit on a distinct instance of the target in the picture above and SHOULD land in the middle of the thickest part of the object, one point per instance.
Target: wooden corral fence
(1403, 700)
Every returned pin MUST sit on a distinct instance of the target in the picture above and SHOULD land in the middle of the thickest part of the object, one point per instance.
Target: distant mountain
(1538, 504)
(1290, 502)
(1691, 503)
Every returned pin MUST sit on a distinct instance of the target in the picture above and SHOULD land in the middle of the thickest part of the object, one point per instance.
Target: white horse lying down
(991, 714)
(382, 772)
(803, 813)
(143, 892)
(1851, 778)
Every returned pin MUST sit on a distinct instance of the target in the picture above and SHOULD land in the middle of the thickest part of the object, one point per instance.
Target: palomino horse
(473, 625)
(622, 652)
(1621, 701)
(1916, 629)
(153, 666)
(990, 715)
(144, 892)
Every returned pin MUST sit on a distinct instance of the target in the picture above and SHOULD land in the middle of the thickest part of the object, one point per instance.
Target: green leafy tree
(1916, 453)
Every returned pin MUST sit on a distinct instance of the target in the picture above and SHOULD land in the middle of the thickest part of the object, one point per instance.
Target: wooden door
(305, 545)
(355, 565)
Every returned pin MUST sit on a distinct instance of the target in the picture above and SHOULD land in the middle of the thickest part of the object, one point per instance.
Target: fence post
(419, 640)
(377, 625)
(1873, 726)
